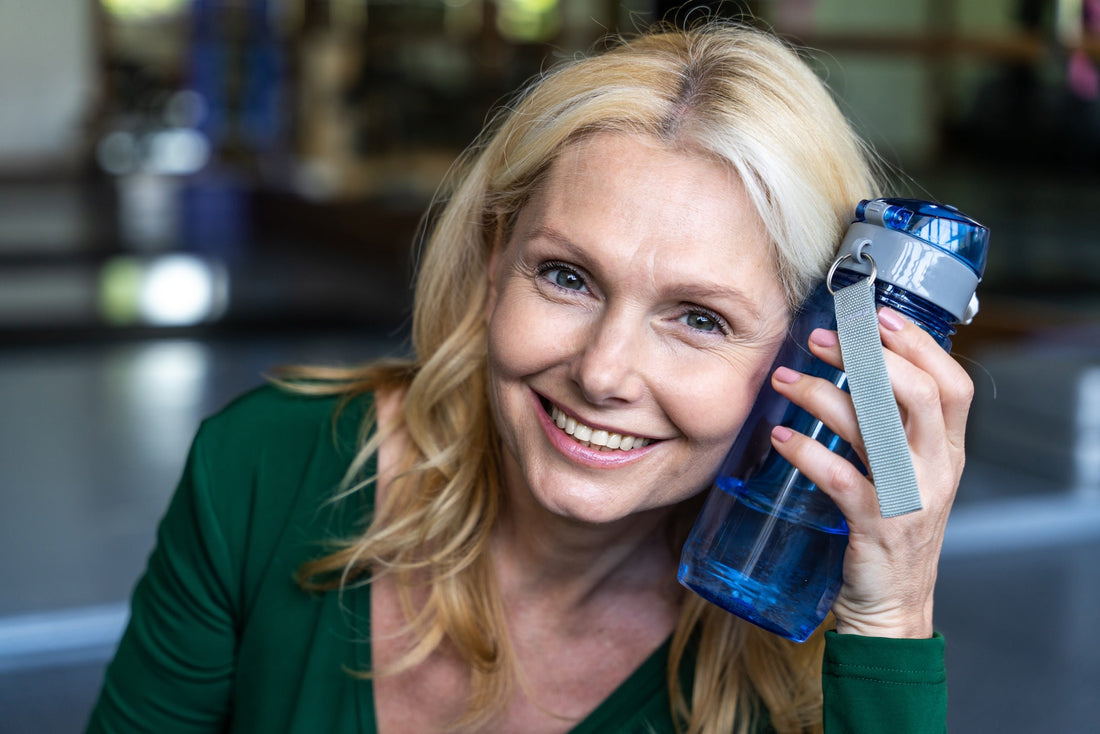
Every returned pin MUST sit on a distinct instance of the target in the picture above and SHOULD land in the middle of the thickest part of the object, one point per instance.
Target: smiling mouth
(596, 438)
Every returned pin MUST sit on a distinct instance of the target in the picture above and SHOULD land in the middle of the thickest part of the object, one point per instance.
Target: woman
(600, 299)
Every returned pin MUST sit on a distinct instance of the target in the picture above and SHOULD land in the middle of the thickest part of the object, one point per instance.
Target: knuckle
(925, 390)
(961, 388)
(817, 388)
(844, 477)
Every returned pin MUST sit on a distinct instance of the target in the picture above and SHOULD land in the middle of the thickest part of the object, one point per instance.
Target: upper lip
(592, 424)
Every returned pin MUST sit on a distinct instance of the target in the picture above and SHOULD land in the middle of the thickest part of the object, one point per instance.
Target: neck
(542, 555)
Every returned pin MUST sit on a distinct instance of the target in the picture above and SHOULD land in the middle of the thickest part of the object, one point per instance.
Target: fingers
(933, 394)
(831, 405)
(923, 375)
(852, 492)
(954, 389)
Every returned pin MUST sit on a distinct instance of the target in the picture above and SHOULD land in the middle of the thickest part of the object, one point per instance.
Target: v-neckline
(619, 705)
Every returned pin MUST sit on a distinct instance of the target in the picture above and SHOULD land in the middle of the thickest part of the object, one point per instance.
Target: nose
(610, 367)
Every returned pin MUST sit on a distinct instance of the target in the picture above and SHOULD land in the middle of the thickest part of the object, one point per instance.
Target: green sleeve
(174, 667)
(874, 684)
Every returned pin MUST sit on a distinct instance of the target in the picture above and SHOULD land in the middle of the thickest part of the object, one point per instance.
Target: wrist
(916, 630)
(899, 624)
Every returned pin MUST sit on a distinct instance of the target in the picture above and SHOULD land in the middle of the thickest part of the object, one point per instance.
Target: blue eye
(569, 280)
(563, 277)
(702, 321)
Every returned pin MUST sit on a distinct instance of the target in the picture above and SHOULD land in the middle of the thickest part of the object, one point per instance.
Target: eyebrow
(702, 291)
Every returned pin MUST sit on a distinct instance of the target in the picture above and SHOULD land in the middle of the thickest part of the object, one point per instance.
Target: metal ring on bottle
(842, 258)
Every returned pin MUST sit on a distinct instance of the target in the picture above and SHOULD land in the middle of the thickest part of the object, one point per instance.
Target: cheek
(710, 418)
(712, 404)
(524, 337)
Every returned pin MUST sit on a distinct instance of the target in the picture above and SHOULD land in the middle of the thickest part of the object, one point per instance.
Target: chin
(601, 505)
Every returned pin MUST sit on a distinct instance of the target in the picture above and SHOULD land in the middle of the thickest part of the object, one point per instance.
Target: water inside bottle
(777, 569)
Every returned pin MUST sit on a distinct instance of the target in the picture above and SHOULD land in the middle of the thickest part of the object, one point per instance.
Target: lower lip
(582, 454)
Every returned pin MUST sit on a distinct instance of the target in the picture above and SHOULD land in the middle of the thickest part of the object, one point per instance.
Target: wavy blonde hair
(726, 91)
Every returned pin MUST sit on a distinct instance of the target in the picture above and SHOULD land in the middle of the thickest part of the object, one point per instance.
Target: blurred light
(168, 376)
(118, 153)
(120, 285)
(149, 212)
(175, 290)
(528, 20)
(317, 180)
(1069, 21)
(160, 385)
(179, 290)
(143, 9)
(186, 108)
(179, 151)
(66, 637)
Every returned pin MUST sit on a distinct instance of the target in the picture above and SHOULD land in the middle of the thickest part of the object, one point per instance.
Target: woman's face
(636, 305)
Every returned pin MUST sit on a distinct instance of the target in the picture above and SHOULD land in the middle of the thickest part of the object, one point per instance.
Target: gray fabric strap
(876, 409)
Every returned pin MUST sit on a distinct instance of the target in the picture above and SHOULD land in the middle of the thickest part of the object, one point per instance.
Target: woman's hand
(890, 565)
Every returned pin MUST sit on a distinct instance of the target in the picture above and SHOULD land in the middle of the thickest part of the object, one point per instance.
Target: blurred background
(195, 191)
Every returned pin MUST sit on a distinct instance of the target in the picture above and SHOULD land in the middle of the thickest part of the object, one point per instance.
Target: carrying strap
(880, 425)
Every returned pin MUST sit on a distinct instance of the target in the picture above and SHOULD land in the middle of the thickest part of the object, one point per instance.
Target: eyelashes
(565, 277)
(704, 320)
(562, 276)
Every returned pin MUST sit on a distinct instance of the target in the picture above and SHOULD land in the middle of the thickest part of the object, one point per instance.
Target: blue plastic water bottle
(768, 545)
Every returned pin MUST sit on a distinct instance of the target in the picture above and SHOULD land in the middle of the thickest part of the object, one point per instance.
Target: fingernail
(823, 338)
(787, 375)
(891, 319)
(782, 433)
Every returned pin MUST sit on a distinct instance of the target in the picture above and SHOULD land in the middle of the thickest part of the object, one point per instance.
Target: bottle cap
(931, 250)
(940, 225)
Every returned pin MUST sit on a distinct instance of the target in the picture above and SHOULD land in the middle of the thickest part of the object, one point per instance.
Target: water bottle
(768, 545)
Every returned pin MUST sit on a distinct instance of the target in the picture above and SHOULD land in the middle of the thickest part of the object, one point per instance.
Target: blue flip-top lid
(940, 225)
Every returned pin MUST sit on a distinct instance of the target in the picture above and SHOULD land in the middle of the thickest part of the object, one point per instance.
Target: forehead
(645, 200)
(615, 157)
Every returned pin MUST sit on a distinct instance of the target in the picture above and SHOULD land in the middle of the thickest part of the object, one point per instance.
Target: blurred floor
(1022, 639)
(94, 437)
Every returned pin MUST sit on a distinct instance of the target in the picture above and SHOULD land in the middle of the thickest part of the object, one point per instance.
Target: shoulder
(272, 434)
(271, 454)
(272, 424)
(270, 413)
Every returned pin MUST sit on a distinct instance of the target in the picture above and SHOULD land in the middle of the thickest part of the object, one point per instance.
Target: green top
(221, 638)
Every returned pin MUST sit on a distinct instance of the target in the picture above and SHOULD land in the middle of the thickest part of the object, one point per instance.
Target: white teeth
(597, 438)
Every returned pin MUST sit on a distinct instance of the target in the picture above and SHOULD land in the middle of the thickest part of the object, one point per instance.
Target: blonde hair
(725, 91)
